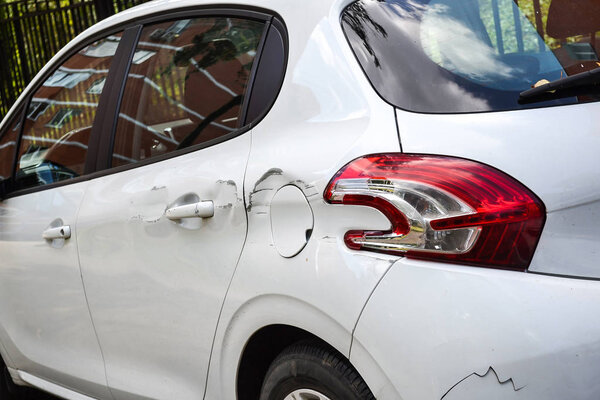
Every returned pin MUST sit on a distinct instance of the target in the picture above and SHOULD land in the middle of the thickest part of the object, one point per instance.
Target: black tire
(7, 391)
(315, 366)
(10, 391)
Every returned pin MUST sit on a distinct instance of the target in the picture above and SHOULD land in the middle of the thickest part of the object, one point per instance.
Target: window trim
(99, 156)
(247, 98)
(277, 28)
(105, 156)
(104, 130)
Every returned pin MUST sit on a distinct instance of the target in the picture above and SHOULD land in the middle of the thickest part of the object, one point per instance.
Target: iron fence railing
(32, 31)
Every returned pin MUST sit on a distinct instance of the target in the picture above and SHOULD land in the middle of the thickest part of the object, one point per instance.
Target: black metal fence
(32, 31)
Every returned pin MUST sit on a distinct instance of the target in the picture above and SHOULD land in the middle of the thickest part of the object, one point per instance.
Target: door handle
(61, 232)
(201, 209)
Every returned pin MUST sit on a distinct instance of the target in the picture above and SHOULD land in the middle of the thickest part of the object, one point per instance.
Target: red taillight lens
(442, 208)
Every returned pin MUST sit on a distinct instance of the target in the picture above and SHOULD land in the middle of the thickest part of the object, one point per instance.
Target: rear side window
(59, 119)
(444, 56)
(187, 86)
(8, 145)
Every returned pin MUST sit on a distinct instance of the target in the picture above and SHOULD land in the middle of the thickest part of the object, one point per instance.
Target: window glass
(8, 146)
(186, 85)
(473, 55)
(60, 117)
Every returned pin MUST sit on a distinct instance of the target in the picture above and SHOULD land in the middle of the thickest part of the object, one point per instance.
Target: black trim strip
(203, 11)
(109, 99)
(259, 52)
(18, 142)
(271, 70)
(107, 126)
(564, 276)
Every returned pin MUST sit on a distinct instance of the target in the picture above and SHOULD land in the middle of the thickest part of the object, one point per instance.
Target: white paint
(52, 387)
(155, 286)
(291, 220)
(45, 322)
(171, 299)
(430, 325)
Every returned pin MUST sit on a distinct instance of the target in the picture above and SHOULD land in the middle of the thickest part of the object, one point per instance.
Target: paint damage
(270, 182)
(253, 200)
(487, 386)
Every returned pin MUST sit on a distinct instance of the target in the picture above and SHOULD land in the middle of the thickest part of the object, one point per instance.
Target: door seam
(85, 292)
(212, 346)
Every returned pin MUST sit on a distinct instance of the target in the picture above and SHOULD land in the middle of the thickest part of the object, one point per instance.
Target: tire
(6, 389)
(10, 391)
(313, 371)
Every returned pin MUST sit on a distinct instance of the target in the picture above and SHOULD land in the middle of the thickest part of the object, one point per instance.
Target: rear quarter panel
(553, 151)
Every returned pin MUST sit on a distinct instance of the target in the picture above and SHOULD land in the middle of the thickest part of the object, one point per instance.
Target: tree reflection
(357, 18)
(210, 48)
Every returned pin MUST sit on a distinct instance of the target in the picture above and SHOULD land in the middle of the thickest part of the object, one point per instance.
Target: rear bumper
(443, 331)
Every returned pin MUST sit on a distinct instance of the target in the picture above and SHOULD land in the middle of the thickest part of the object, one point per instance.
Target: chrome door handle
(202, 209)
(61, 232)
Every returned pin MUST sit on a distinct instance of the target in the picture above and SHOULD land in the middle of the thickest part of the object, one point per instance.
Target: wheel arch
(255, 324)
(260, 351)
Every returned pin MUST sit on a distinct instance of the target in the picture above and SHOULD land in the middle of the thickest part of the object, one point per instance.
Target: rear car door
(45, 322)
(161, 233)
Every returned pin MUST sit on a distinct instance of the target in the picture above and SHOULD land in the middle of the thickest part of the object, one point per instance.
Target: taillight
(441, 208)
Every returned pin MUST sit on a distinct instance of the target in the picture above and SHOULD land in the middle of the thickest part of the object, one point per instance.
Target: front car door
(45, 324)
(161, 233)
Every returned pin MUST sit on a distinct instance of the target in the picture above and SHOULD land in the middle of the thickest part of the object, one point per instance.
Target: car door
(160, 234)
(45, 322)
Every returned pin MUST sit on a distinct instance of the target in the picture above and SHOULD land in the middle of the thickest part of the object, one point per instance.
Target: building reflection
(60, 117)
(190, 87)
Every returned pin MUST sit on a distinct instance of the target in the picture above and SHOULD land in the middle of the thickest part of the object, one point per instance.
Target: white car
(316, 199)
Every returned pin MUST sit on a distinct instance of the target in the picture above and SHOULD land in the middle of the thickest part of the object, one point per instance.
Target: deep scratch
(509, 380)
(266, 175)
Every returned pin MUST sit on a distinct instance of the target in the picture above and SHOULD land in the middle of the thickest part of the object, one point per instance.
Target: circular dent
(291, 221)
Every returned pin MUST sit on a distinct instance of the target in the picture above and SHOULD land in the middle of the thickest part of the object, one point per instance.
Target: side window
(8, 145)
(186, 85)
(59, 120)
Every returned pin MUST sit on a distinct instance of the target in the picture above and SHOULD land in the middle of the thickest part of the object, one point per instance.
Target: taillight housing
(441, 208)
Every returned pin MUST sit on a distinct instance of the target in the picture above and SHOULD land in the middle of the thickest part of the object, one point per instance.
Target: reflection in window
(102, 48)
(36, 108)
(171, 33)
(66, 79)
(60, 117)
(452, 37)
(63, 116)
(97, 86)
(141, 56)
(472, 55)
(581, 51)
(190, 90)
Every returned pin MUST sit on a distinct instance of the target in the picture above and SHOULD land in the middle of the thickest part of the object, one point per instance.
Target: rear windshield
(444, 56)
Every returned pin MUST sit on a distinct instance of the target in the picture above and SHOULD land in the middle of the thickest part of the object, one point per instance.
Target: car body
(137, 267)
